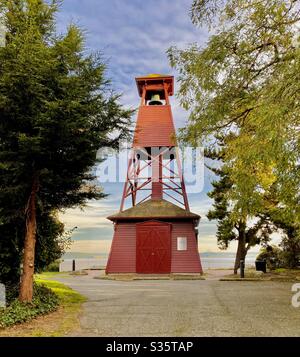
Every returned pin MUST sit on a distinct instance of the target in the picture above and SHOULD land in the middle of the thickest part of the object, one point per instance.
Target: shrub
(53, 267)
(291, 251)
(272, 255)
(44, 301)
(12, 292)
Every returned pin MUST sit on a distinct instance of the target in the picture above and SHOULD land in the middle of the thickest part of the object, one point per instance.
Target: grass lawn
(58, 323)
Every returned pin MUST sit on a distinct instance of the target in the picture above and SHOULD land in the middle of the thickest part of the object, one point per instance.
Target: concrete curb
(148, 278)
(286, 279)
(242, 279)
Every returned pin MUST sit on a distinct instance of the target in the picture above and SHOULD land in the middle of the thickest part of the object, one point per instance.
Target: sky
(133, 36)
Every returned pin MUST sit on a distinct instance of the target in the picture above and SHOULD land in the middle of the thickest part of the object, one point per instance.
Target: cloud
(91, 246)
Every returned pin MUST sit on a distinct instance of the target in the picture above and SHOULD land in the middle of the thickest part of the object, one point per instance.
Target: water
(82, 263)
(222, 260)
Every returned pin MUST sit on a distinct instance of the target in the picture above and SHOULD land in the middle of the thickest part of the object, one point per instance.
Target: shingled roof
(155, 209)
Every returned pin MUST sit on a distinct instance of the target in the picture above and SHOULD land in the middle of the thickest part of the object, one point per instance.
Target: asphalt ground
(185, 308)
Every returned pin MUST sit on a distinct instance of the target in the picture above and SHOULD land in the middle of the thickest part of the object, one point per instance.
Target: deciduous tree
(245, 81)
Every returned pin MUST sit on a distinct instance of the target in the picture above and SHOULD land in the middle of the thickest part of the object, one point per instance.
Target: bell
(155, 100)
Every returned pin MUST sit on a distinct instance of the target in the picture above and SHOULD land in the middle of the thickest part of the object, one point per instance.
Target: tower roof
(154, 209)
(154, 79)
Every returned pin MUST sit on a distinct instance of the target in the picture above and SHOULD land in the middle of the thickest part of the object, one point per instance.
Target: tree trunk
(244, 250)
(241, 249)
(238, 256)
(26, 287)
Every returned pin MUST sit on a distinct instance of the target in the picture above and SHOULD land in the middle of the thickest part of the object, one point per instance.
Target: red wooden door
(153, 248)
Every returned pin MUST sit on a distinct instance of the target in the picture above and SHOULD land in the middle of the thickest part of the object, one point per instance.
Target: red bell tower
(155, 232)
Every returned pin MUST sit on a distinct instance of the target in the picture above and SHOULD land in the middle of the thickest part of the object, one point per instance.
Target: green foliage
(53, 267)
(273, 256)
(52, 242)
(44, 301)
(48, 295)
(291, 251)
(11, 243)
(286, 255)
(244, 84)
(12, 292)
(221, 208)
(287, 224)
(290, 243)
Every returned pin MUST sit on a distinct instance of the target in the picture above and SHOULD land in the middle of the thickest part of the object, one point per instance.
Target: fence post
(242, 269)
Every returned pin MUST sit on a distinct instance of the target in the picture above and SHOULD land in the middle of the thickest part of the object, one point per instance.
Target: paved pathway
(185, 308)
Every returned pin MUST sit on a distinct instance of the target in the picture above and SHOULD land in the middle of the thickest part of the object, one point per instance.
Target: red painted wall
(185, 261)
(122, 254)
(122, 258)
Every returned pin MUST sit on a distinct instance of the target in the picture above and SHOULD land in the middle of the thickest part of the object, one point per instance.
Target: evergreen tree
(56, 111)
(231, 227)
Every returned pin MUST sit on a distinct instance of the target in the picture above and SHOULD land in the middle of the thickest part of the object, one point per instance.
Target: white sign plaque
(181, 243)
